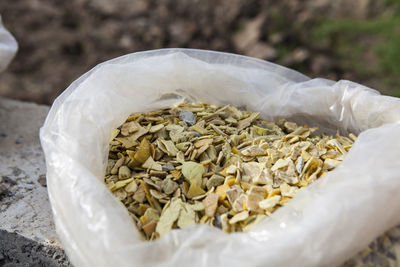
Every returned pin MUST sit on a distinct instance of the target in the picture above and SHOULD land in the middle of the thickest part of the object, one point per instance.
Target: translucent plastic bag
(325, 224)
(8, 47)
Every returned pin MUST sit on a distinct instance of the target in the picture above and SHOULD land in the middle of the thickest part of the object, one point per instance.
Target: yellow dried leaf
(303, 183)
(143, 153)
(221, 191)
(235, 150)
(274, 193)
(352, 136)
(284, 200)
(176, 174)
(269, 202)
(239, 217)
(259, 130)
(147, 192)
(121, 184)
(195, 190)
(114, 133)
(230, 181)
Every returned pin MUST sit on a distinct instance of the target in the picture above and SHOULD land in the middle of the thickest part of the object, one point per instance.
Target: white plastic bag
(325, 224)
(8, 47)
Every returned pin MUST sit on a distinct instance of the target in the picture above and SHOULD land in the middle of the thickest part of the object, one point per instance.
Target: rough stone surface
(17, 250)
(27, 233)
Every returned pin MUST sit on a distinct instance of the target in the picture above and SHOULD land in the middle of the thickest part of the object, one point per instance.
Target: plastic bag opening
(323, 225)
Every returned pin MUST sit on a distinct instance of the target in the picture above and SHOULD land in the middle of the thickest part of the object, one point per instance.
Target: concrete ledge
(27, 233)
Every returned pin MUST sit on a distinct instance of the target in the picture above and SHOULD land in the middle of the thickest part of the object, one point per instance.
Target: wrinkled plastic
(8, 47)
(326, 223)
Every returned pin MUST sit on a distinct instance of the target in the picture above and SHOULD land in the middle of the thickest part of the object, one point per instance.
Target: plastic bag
(8, 47)
(326, 223)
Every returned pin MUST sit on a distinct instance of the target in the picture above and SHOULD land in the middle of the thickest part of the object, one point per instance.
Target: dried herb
(199, 163)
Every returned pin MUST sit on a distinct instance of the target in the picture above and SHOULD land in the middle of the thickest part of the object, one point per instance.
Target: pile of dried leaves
(199, 163)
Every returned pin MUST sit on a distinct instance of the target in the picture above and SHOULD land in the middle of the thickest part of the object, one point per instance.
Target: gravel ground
(61, 40)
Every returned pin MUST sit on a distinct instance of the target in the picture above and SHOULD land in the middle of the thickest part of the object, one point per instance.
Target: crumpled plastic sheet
(8, 47)
(325, 224)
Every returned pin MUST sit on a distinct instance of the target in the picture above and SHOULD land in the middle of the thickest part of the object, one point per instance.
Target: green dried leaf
(169, 215)
(192, 171)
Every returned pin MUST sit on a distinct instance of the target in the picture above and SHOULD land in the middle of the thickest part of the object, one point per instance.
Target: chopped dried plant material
(156, 128)
(221, 166)
(121, 184)
(131, 187)
(141, 155)
(169, 215)
(151, 164)
(329, 164)
(210, 204)
(149, 228)
(168, 147)
(114, 133)
(169, 186)
(246, 122)
(139, 195)
(127, 142)
(192, 171)
(195, 190)
(287, 190)
(252, 201)
(221, 191)
(233, 194)
(198, 206)
(214, 181)
(241, 216)
(120, 194)
(124, 172)
(129, 127)
(269, 202)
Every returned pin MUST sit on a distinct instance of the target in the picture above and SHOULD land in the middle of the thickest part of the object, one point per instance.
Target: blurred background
(358, 40)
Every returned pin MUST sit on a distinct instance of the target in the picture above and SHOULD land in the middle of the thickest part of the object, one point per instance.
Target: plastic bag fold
(8, 47)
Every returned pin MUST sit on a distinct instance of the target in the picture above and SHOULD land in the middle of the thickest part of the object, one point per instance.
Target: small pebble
(217, 221)
(29, 187)
(42, 180)
(188, 117)
(8, 180)
(17, 171)
(3, 190)
(168, 167)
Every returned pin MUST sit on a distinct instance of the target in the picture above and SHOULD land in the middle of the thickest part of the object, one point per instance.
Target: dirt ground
(61, 40)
